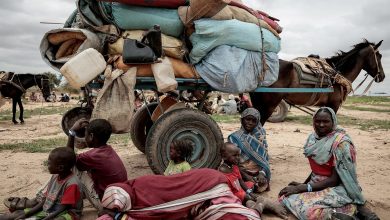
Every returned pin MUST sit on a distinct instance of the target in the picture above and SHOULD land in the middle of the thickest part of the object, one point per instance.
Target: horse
(15, 85)
(364, 56)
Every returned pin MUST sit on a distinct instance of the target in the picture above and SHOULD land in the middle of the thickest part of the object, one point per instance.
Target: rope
(360, 84)
(263, 66)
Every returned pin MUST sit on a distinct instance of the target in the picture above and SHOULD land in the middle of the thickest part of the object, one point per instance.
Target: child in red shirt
(229, 167)
(62, 197)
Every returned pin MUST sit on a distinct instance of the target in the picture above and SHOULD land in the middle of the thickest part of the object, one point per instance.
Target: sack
(128, 17)
(159, 4)
(200, 9)
(115, 101)
(172, 47)
(135, 52)
(180, 68)
(164, 76)
(210, 34)
(59, 45)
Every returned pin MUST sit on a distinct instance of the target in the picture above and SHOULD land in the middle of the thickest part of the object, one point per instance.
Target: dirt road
(22, 173)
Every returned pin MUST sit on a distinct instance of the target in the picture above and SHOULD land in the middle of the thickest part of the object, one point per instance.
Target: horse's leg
(266, 103)
(21, 110)
(14, 102)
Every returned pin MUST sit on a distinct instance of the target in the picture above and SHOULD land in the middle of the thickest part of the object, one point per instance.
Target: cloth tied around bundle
(316, 71)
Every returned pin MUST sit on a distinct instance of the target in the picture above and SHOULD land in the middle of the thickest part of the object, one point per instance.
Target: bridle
(374, 77)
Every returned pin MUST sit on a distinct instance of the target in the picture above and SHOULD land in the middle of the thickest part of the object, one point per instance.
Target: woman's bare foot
(272, 206)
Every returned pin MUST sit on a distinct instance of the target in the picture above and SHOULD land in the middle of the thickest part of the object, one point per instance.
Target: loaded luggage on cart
(181, 50)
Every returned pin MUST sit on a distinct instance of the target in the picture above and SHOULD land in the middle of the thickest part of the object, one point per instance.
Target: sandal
(16, 203)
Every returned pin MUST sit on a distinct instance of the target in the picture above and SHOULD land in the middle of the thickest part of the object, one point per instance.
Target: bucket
(83, 67)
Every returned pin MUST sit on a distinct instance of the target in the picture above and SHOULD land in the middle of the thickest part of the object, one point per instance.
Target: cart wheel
(280, 113)
(141, 124)
(189, 124)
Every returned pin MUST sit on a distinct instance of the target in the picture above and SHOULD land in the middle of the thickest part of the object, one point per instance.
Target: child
(102, 164)
(62, 196)
(229, 166)
(179, 154)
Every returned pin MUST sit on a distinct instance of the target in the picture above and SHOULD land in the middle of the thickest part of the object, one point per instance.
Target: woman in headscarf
(251, 139)
(332, 185)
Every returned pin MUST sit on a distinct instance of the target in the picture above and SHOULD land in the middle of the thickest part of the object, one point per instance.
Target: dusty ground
(22, 173)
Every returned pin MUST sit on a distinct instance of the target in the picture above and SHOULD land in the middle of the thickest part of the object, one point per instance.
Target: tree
(54, 79)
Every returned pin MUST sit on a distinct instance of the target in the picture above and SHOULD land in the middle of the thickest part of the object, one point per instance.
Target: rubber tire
(187, 124)
(140, 125)
(280, 113)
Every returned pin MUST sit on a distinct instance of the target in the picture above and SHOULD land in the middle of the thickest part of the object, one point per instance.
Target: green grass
(119, 139)
(362, 124)
(226, 118)
(48, 110)
(36, 146)
(353, 107)
(46, 145)
(371, 100)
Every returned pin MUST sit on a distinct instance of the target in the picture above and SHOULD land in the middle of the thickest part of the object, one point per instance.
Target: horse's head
(372, 64)
(43, 83)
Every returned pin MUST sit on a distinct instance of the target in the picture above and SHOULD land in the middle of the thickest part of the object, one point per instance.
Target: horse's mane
(343, 61)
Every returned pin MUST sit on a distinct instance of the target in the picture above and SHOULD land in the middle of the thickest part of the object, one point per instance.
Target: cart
(154, 138)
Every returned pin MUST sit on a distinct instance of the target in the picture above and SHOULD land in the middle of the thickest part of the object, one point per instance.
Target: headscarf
(319, 149)
(322, 149)
(251, 112)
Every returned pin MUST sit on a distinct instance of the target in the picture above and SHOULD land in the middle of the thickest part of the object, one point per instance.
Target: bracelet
(72, 133)
(117, 215)
(249, 191)
(309, 188)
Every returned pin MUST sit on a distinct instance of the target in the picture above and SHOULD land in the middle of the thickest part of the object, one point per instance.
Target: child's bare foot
(255, 205)
(274, 207)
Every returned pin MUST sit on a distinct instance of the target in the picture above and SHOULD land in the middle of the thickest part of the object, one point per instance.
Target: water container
(83, 67)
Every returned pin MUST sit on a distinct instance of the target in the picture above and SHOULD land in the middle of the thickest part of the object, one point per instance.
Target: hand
(293, 183)
(80, 124)
(290, 190)
(261, 180)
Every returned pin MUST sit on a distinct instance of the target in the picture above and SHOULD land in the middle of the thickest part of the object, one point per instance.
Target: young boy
(230, 158)
(102, 163)
(62, 197)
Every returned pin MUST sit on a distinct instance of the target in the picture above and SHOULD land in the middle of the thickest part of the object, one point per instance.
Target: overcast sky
(320, 27)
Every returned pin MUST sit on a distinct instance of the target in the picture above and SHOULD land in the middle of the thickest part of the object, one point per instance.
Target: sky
(309, 27)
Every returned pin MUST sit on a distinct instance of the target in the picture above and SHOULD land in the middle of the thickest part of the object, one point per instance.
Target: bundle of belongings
(228, 44)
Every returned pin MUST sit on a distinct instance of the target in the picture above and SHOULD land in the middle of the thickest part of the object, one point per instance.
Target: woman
(251, 139)
(332, 185)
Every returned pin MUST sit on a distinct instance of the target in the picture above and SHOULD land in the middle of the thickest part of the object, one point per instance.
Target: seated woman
(332, 185)
(251, 139)
(195, 194)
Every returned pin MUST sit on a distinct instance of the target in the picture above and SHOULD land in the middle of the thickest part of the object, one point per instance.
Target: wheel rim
(194, 135)
(277, 110)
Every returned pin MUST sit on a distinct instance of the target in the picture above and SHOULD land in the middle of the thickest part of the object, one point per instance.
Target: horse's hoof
(21, 122)
(15, 122)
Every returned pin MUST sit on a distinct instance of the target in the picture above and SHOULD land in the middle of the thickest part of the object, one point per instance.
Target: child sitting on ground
(179, 154)
(230, 158)
(62, 198)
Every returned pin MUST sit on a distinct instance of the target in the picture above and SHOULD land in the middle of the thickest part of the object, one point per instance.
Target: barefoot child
(179, 154)
(230, 159)
(62, 198)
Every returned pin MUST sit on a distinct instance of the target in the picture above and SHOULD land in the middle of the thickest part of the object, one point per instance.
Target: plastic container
(83, 67)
